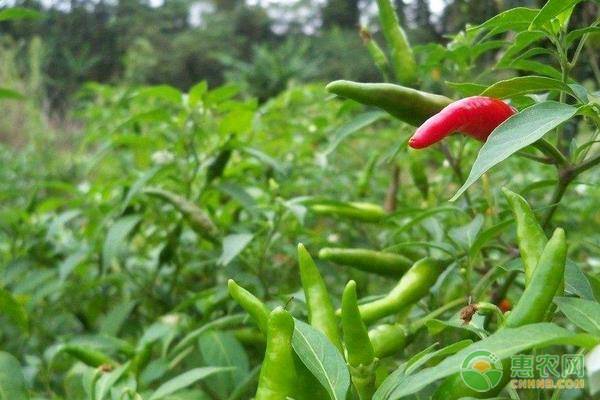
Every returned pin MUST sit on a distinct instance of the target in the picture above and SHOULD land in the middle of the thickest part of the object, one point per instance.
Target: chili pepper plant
(343, 241)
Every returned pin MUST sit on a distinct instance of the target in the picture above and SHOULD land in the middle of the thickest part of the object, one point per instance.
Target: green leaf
(535, 67)
(552, 9)
(524, 85)
(115, 238)
(12, 381)
(467, 89)
(184, 380)
(18, 13)
(108, 380)
(222, 349)
(264, 158)
(322, 359)
(227, 321)
(583, 313)
(520, 42)
(165, 92)
(577, 33)
(503, 344)
(112, 322)
(517, 132)
(576, 282)
(233, 245)
(139, 185)
(485, 236)
(516, 19)
(10, 94)
(359, 122)
(13, 310)
(445, 351)
(465, 235)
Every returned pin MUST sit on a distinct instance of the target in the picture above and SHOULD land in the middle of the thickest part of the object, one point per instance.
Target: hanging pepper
(253, 306)
(388, 339)
(531, 308)
(408, 105)
(378, 262)
(530, 235)
(476, 116)
(359, 351)
(360, 211)
(278, 376)
(412, 287)
(321, 313)
(547, 278)
(403, 60)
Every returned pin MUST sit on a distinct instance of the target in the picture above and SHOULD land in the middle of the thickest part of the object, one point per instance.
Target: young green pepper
(253, 306)
(402, 56)
(321, 313)
(547, 278)
(412, 287)
(359, 351)
(408, 105)
(377, 54)
(388, 339)
(531, 308)
(360, 211)
(530, 235)
(198, 220)
(277, 380)
(378, 262)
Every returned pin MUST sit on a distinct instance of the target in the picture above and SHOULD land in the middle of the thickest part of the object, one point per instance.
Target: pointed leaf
(517, 132)
(321, 358)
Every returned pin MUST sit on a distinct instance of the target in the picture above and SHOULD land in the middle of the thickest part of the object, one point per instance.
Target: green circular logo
(481, 370)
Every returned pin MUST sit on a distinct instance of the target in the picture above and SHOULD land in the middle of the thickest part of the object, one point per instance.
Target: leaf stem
(551, 151)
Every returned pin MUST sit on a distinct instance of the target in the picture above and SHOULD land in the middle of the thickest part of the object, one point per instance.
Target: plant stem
(565, 177)
(551, 151)
(415, 326)
(586, 164)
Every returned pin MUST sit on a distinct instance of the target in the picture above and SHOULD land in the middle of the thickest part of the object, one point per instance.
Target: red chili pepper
(505, 305)
(475, 116)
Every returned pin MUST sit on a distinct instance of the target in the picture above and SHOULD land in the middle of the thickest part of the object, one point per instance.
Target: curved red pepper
(476, 116)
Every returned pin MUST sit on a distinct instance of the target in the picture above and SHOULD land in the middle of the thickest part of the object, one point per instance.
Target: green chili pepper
(253, 306)
(141, 359)
(378, 56)
(388, 339)
(277, 380)
(408, 105)
(217, 166)
(308, 387)
(88, 355)
(530, 235)
(196, 218)
(412, 287)
(546, 280)
(531, 308)
(403, 60)
(250, 337)
(378, 262)
(359, 351)
(360, 211)
(321, 313)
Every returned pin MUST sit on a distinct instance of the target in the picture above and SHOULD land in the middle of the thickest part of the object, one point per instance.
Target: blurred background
(260, 44)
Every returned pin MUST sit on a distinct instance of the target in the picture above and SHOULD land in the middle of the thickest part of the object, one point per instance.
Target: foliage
(116, 247)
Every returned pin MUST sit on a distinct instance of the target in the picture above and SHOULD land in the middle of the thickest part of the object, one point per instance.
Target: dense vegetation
(132, 195)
